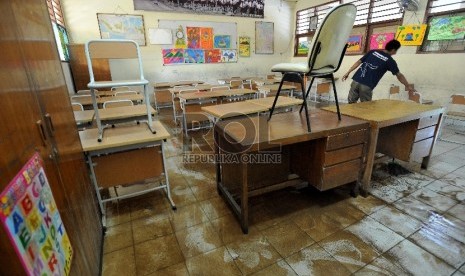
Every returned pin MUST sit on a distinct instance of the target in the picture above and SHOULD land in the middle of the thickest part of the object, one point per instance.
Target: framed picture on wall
(122, 26)
(354, 44)
(264, 37)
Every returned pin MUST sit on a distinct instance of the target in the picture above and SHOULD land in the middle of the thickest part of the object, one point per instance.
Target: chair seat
(291, 67)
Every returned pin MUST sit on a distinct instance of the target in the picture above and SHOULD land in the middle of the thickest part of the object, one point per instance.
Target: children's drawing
(206, 38)
(212, 56)
(172, 56)
(228, 55)
(411, 35)
(193, 37)
(222, 41)
(379, 41)
(244, 46)
(194, 56)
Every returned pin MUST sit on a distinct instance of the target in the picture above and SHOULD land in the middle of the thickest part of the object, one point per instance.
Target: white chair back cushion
(333, 34)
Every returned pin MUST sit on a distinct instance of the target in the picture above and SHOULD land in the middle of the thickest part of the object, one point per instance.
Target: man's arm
(404, 81)
(355, 66)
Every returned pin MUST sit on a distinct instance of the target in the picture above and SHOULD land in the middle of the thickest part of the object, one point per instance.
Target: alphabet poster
(30, 217)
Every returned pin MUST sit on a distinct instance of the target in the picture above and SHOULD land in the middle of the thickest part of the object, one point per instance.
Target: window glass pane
(362, 10)
(384, 10)
(437, 6)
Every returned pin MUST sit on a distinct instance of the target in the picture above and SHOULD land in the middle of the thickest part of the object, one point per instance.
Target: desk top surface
(233, 109)
(215, 94)
(274, 87)
(84, 116)
(122, 136)
(175, 83)
(122, 112)
(88, 100)
(286, 128)
(381, 111)
(282, 101)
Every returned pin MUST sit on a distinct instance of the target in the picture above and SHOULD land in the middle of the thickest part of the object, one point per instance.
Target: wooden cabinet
(36, 115)
(80, 71)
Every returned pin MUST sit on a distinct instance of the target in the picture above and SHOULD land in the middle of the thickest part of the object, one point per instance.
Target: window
(446, 26)
(370, 15)
(59, 29)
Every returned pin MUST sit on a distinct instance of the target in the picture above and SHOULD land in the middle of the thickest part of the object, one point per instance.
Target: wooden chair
(217, 88)
(455, 111)
(124, 93)
(77, 107)
(84, 92)
(121, 88)
(416, 97)
(325, 57)
(235, 84)
(394, 92)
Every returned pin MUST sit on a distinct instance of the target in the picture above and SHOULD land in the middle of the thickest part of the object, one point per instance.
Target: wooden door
(78, 64)
(33, 89)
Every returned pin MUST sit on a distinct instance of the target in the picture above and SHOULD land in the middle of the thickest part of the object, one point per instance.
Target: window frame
(368, 28)
(56, 15)
(426, 19)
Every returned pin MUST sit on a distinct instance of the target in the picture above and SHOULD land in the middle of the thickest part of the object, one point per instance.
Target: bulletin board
(200, 42)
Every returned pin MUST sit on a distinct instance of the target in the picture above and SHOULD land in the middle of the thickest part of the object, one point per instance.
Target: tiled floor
(409, 225)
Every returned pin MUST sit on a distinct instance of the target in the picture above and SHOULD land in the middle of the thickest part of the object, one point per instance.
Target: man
(374, 64)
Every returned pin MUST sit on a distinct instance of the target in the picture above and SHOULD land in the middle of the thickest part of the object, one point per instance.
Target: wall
(436, 76)
(82, 26)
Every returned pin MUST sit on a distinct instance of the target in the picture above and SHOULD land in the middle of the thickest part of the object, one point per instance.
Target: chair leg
(335, 98)
(276, 97)
(304, 96)
(305, 104)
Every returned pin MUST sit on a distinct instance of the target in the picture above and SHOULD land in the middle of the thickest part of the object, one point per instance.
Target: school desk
(84, 116)
(120, 114)
(331, 155)
(159, 85)
(126, 155)
(399, 129)
(87, 101)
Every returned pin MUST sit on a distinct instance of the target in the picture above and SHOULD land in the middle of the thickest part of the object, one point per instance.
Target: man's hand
(410, 88)
(345, 76)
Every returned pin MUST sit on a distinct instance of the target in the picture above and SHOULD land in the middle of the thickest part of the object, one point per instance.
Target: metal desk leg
(245, 200)
(167, 182)
(374, 131)
(97, 191)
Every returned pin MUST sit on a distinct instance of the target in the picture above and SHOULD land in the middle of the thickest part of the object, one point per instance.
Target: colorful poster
(180, 42)
(303, 47)
(193, 37)
(244, 46)
(379, 41)
(213, 56)
(172, 56)
(354, 44)
(264, 37)
(32, 221)
(206, 38)
(194, 56)
(447, 28)
(222, 41)
(411, 35)
(228, 56)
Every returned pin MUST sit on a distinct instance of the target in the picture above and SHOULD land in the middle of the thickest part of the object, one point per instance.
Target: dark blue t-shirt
(374, 64)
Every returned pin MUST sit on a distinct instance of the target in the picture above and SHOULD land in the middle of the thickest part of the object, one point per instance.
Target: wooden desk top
(175, 83)
(252, 133)
(85, 116)
(122, 136)
(201, 87)
(122, 112)
(215, 94)
(88, 100)
(274, 87)
(387, 112)
(283, 101)
(233, 109)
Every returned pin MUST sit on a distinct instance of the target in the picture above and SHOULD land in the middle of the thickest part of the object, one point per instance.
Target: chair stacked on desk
(115, 49)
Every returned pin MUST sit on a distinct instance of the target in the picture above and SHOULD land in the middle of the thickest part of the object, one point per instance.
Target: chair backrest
(80, 96)
(331, 38)
(414, 96)
(122, 93)
(117, 103)
(84, 92)
(185, 91)
(394, 89)
(216, 88)
(121, 88)
(112, 49)
(235, 83)
(457, 99)
(270, 77)
(77, 107)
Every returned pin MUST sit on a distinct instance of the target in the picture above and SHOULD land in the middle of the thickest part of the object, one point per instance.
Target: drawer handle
(40, 127)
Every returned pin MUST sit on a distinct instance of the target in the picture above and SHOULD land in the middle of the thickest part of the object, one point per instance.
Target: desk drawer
(428, 121)
(346, 139)
(421, 149)
(343, 155)
(424, 133)
(340, 174)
